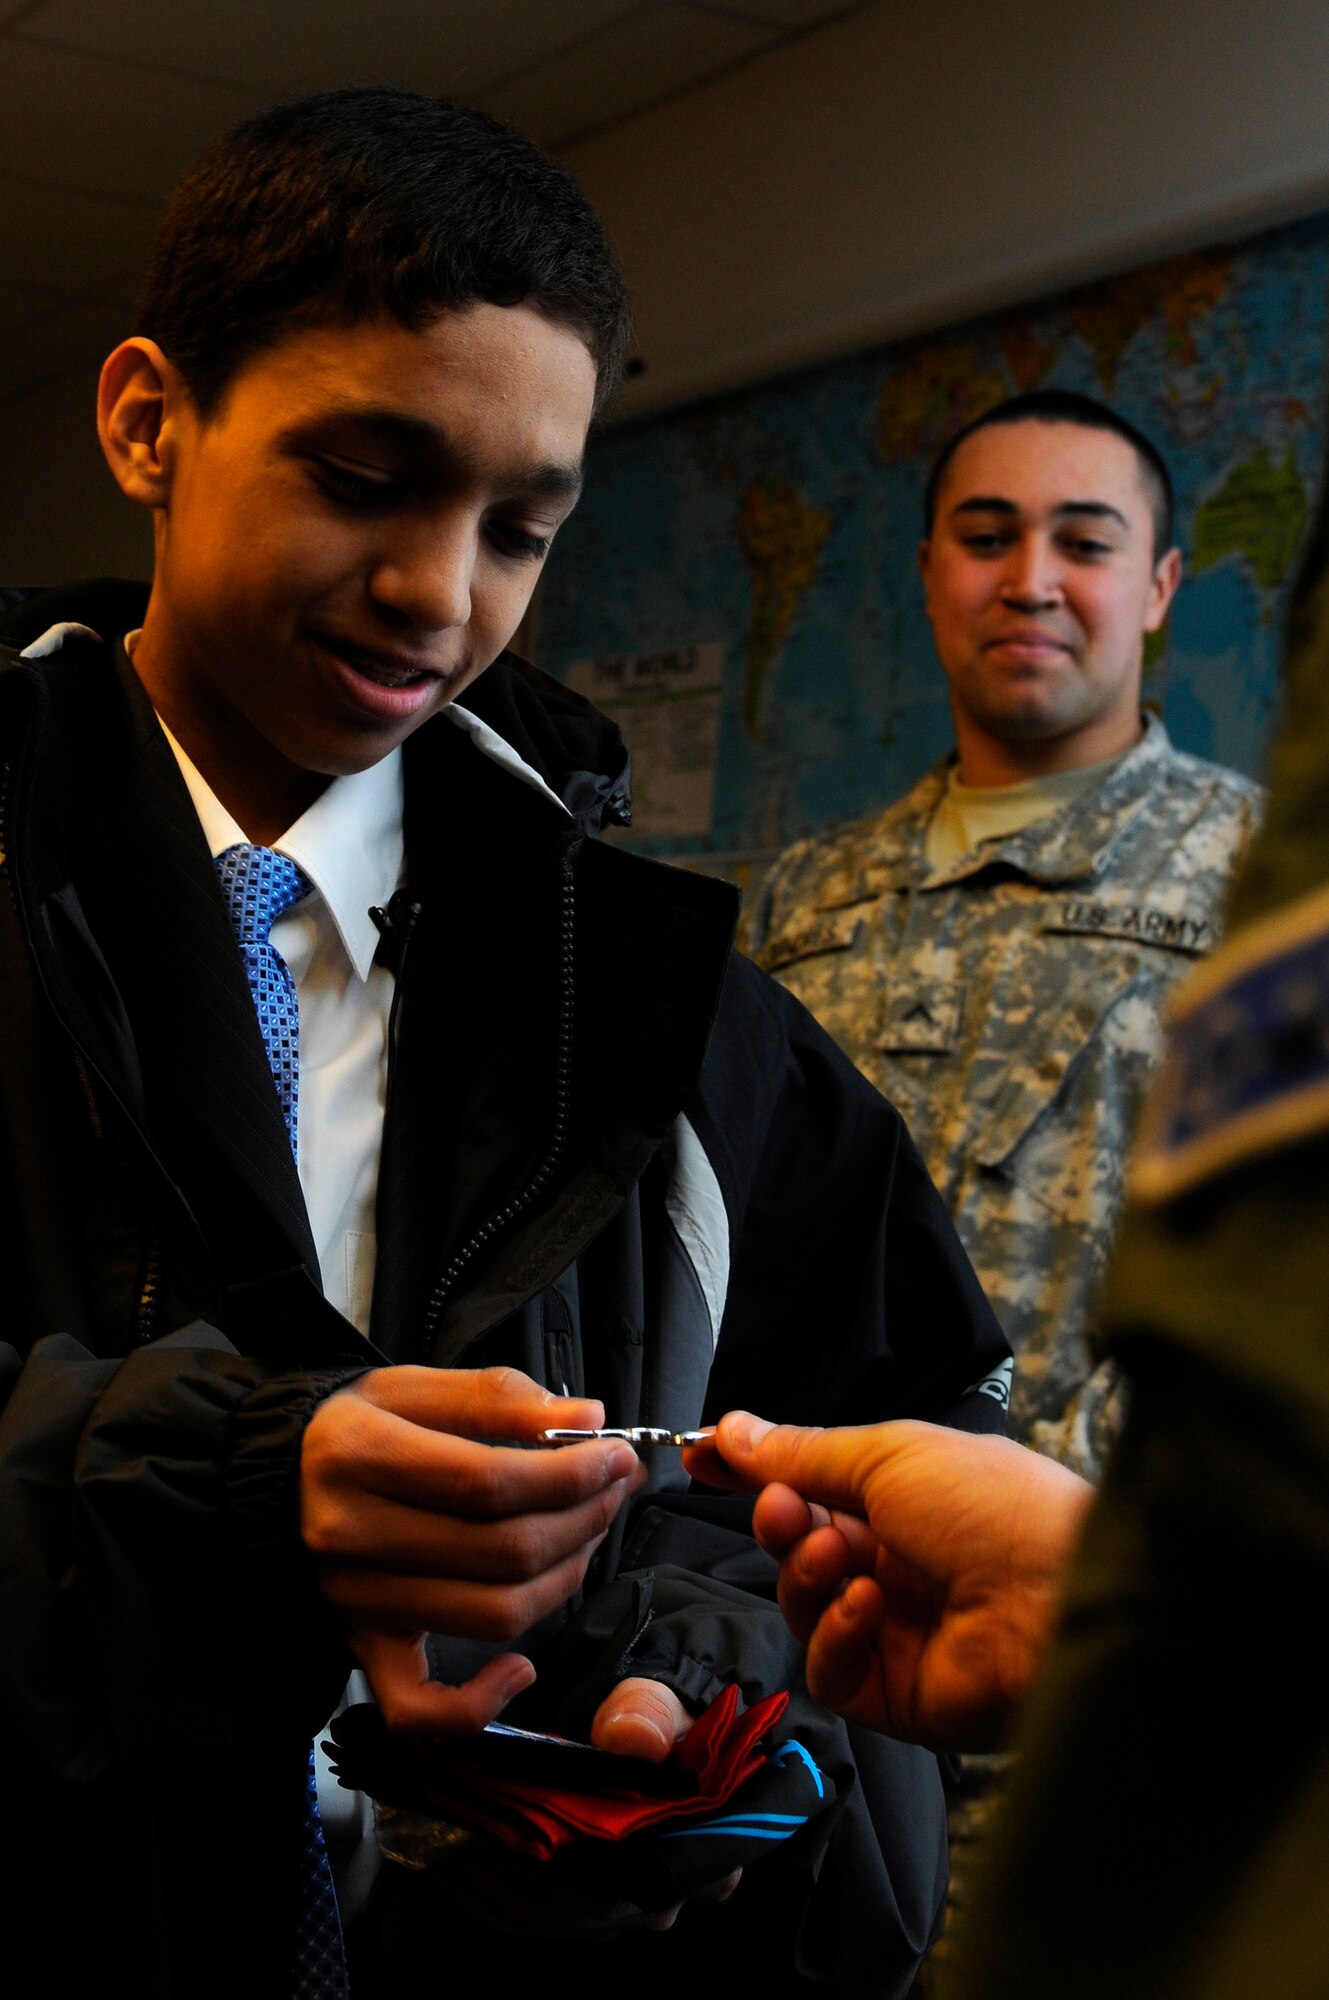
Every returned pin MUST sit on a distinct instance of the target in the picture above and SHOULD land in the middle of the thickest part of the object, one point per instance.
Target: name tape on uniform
(1083, 917)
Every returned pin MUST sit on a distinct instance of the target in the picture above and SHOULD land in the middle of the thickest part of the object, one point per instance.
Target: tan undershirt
(967, 815)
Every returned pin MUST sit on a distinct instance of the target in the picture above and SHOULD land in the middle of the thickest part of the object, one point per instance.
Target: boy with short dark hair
(345, 1073)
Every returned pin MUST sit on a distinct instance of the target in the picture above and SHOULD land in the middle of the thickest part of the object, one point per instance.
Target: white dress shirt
(349, 844)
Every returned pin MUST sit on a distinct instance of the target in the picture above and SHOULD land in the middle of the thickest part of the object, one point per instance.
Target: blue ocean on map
(772, 534)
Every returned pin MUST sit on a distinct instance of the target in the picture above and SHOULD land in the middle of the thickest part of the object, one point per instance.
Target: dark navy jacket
(615, 1155)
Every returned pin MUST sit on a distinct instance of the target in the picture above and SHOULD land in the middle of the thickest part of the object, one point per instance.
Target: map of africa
(744, 571)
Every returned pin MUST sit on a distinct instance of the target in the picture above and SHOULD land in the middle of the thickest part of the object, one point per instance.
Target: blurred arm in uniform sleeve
(1168, 1830)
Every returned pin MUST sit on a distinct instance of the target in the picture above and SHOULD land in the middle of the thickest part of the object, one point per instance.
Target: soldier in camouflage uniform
(1009, 1004)
(1007, 995)
(995, 950)
(1167, 1837)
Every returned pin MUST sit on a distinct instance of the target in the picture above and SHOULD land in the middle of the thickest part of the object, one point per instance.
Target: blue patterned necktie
(259, 886)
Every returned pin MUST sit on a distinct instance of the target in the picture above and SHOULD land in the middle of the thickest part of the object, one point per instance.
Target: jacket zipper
(540, 1179)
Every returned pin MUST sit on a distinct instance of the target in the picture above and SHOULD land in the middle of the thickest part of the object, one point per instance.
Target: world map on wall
(772, 535)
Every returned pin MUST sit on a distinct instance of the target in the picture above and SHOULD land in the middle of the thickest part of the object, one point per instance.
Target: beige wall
(61, 513)
(915, 162)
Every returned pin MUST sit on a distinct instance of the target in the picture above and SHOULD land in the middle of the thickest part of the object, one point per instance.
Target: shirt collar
(349, 843)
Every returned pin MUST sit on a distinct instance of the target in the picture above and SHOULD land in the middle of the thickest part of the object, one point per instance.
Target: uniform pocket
(1061, 1111)
(810, 937)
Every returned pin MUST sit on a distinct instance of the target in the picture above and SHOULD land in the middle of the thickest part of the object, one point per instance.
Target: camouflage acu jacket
(1010, 1006)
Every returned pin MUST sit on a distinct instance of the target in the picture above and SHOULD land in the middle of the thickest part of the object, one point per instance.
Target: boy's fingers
(399, 1676)
(350, 1527)
(477, 1402)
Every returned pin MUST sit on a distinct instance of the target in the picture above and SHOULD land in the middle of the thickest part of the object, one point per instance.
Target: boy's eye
(353, 489)
(519, 542)
(985, 541)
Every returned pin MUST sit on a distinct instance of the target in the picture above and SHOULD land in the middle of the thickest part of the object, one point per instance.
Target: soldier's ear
(925, 571)
(139, 403)
(1167, 575)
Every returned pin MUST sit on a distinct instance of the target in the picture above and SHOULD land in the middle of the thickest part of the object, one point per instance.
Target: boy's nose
(428, 583)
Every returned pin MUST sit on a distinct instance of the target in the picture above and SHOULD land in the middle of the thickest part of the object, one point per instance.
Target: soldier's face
(1041, 584)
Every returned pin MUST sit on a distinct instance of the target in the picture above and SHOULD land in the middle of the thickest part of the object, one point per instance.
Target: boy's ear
(138, 408)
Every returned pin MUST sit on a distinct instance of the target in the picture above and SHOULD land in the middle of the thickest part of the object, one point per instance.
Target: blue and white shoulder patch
(1246, 1069)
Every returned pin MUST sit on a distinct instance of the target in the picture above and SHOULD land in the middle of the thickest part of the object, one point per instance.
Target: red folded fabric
(719, 1753)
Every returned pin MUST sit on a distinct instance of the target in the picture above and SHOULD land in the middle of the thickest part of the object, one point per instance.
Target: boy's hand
(509, 1892)
(640, 1718)
(922, 1567)
(418, 1523)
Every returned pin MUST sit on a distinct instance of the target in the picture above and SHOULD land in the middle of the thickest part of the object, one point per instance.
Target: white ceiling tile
(81, 330)
(657, 51)
(81, 121)
(61, 240)
(460, 47)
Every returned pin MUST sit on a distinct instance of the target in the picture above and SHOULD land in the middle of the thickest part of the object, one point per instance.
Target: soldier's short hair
(353, 204)
(1066, 406)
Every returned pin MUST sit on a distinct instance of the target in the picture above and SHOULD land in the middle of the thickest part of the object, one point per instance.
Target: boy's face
(353, 536)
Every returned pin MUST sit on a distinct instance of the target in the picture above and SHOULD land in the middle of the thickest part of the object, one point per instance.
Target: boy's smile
(349, 539)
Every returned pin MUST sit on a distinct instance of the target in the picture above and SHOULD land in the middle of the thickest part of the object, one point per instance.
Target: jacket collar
(512, 901)
(487, 850)
(149, 983)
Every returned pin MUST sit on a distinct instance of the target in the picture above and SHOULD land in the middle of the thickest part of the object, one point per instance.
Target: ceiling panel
(79, 121)
(458, 48)
(107, 101)
(64, 241)
(653, 53)
(792, 13)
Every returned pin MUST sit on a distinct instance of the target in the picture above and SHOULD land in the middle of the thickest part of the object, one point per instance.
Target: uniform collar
(1065, 846)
